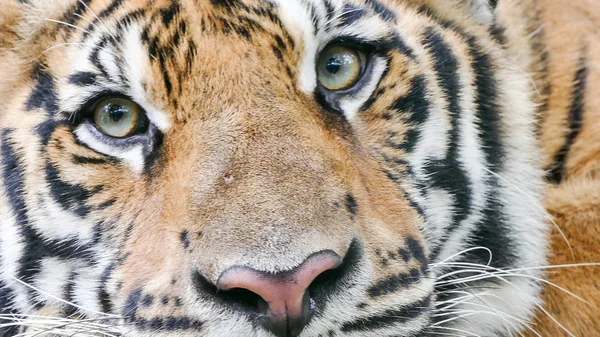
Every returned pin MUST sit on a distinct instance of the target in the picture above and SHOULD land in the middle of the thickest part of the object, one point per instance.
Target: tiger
(299, 168)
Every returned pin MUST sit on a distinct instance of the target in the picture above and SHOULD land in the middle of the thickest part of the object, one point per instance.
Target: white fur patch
(351, 105)
(132, 155)
(11, 250)
(482, 11)
(137, 70)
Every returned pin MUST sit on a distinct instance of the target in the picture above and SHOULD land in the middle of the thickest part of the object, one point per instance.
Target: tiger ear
(483, 10)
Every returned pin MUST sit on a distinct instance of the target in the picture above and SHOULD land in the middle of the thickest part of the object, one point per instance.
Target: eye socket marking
(340, 67)
(119, 117)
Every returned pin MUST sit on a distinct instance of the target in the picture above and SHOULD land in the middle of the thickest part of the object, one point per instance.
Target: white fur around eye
(137, 65)
(482, 11)
(132, 155)
(351, 105)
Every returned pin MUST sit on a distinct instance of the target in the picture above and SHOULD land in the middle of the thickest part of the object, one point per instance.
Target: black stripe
(13, 174)
(314, 17)
(70, 197)
(448, 174)
(93, 161)
(391, 284)
(394, 282)
(488, 112)
(47, 128)
(95, 55)
(350, 14)
(227, 4)
(351, 205)
(153, 150)
(417, 108)
(6, 299)
(110, 9)
(384, 12)
(69, 296)
(103, 296)
(542, 66)
(168, 14)
(72, 15)
(402, 47)
(329, 9)
(83, 78)
(498, 33)
(492, 231)
(43, 94)
(171, 323)
(576, 110)
(388, 318)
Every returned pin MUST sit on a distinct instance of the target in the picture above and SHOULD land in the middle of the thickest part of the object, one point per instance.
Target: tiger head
(264, 168)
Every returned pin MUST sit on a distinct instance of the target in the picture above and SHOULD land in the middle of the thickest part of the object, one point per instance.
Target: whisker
(455, 329)
(555, 320)
(489, 275)
(546, 214)
(102, 25)
(63, 301)
(464, 252)
(55, 46)
(67, 24)
(337, 17)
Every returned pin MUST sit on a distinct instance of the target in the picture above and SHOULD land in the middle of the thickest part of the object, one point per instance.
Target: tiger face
(265, 168)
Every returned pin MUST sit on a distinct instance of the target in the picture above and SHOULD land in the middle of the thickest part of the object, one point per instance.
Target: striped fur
(427, 178)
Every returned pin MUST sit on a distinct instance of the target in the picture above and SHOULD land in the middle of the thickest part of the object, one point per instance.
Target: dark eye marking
(351, 204)
(185, 238)
(43, 94)
(83, 78)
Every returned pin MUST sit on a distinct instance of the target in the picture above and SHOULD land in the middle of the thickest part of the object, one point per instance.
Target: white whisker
(555, 320)
(470, 334)
(67, 24)
(63, 301)
(546, 214)
(102, 25)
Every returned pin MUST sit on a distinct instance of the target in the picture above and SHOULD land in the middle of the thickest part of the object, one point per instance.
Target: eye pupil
(116, 112)
(333, 65)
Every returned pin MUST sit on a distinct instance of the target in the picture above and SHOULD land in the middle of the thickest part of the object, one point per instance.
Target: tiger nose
(288, 306)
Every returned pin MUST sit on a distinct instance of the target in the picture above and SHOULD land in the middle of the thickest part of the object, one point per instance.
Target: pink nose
(288, 303)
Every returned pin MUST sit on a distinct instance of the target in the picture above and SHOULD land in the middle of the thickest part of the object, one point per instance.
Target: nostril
(237, 298)
(244, 299)
(325, 281)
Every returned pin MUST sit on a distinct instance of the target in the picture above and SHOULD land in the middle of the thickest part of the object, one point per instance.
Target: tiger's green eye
(339, 67)
(118, 117)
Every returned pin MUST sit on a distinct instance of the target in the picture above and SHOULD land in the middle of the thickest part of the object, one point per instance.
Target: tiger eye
(339, 67)
(118, 117)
